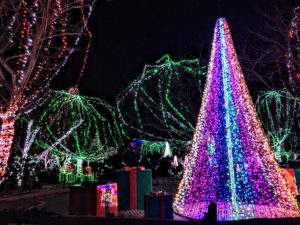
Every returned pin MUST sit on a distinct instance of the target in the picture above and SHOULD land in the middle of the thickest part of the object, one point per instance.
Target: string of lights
(89, 35)
(293, 54)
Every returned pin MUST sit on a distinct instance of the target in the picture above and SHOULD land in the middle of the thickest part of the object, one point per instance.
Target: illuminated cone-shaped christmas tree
(231, 162)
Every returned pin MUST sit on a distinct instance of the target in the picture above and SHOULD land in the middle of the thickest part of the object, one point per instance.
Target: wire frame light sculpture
(78, 127)
(279, 112)
(162, 103)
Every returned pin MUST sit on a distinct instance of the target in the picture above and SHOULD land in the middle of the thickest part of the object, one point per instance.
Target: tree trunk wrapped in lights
(7, 133)
(36, 40)
(231, 162)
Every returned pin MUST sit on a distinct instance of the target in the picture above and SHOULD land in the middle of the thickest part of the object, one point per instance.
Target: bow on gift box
(127, 168)
(133, 190)
(158, 193)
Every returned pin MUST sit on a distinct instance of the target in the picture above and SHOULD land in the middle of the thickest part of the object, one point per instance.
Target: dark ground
(53, 209)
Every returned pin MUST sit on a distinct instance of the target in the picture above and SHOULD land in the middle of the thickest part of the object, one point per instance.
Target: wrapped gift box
(133, 183)
(66, 178)
(86, 178)
(82, 200)
(158, 205)
(289, 175)
(298, 198)
(107, 200)
(297, 176)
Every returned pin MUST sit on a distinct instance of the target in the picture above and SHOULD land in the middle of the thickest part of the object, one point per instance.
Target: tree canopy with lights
(279, 112)
(36, 40)
(77, 127)
(162, 102)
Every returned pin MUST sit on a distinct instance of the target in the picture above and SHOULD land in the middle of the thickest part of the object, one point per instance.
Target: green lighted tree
(79, 128)
(162, 103)
(279, 112)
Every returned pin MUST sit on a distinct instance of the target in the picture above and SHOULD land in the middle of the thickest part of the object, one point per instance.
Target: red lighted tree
(36, 39)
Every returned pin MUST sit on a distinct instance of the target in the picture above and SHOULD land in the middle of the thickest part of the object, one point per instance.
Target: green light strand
(90, 141)
(161, 101)
(279, 112)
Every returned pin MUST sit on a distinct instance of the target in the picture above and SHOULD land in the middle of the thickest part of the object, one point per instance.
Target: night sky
(131, 33)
